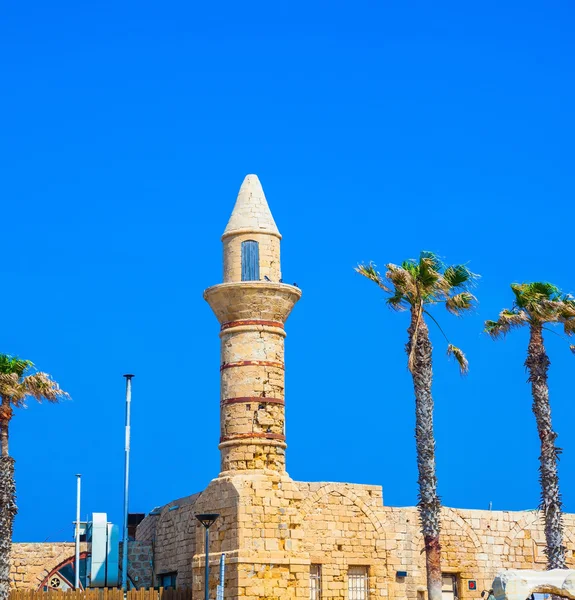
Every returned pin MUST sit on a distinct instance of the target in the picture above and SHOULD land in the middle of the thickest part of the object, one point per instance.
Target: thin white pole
(126, 482)
(220, 592)
(77, 537)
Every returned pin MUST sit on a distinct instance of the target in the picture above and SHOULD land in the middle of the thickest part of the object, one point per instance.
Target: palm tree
(18, 381)
(535, 305)
(416, 286)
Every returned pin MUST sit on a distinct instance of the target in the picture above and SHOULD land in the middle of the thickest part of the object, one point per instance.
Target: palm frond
(566, 314)
(572, 348)
(493, 328)
(9, 383)
(459, 303)
(429, 274)
(508, 320)
(410, 266)
(41, 386)
(458, 276)
(518, 290)
(543, 310)
(14, 364)
(432, 260)
(569, 327)
(543, 289)
(459, 356)
(568, 300)
(373, 274)
(403, 281)
(532, 296)
(397, 302)
(17, 383)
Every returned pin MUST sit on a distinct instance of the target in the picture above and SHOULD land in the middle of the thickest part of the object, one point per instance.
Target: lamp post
(207, 520)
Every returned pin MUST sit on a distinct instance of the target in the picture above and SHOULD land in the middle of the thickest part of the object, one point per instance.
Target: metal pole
(207, 573)
(220, 595)
(77, 537)
(126, 482)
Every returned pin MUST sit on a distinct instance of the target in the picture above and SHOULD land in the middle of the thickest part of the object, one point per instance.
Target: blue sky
(377, 129)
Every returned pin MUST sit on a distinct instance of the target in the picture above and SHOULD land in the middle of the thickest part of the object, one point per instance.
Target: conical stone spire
(251, 211)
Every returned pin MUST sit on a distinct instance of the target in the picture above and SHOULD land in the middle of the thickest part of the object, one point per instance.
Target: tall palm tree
(417, 285)
(535, 305)
(18, 381)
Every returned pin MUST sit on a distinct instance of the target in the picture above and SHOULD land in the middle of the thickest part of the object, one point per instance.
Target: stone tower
(252, 305)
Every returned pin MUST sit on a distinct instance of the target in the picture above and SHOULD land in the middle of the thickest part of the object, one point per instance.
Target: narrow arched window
(250, 261)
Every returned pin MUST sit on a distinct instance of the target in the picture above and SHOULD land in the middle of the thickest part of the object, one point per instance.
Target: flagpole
(77, 537)
(126, 482)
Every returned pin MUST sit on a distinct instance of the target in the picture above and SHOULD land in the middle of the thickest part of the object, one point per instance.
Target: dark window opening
(168, 580)
(134, 519)
(250, 261)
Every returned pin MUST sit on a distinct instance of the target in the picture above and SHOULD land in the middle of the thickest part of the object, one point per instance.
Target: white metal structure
(519, 584)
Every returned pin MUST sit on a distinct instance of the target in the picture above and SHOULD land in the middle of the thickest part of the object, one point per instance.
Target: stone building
(289, 539)
(286, 539)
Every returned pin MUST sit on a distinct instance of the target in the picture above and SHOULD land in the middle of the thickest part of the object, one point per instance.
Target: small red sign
(472, 584)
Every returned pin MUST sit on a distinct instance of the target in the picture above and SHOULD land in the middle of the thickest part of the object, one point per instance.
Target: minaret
(252, 306)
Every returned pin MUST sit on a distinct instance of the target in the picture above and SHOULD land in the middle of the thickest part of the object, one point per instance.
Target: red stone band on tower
(251, 322)
(252, 307)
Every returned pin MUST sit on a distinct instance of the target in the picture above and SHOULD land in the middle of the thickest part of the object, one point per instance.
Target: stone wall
(33, 562)
(140, 563)
(171, 533)
(146, 530)
(273, 529)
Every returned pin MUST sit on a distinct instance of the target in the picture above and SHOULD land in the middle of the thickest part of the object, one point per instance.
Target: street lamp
(207, 520)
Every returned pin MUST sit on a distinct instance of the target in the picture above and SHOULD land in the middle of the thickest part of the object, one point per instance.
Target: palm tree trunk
(8, 508)
(7, 513)
(5, 414)
(538, 363)
(3, 438)
(429, 504)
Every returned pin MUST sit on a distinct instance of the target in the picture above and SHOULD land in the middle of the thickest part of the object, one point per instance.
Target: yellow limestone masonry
(252, 314)
(275, 531)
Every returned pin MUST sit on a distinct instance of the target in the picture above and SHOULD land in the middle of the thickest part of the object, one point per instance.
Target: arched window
(250, 261)
(63, 576)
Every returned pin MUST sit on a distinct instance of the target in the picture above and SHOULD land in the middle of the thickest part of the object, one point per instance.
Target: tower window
(250, 261)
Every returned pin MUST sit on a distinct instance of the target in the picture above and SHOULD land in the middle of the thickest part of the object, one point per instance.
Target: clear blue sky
(377, 129)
